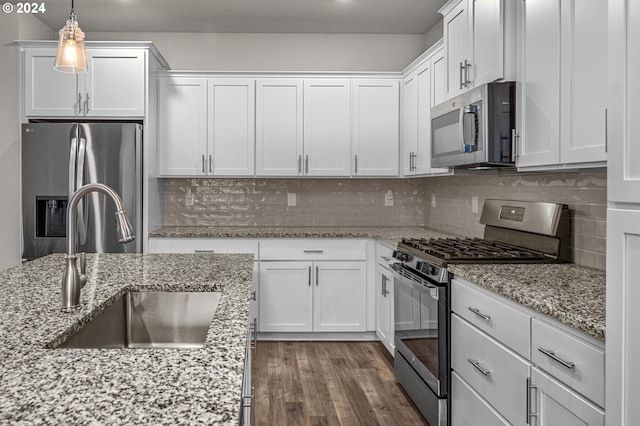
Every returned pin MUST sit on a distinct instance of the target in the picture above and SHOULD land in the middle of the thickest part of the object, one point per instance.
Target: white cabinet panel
(286, 297)
(456, 36)
(376, 127)
(115, 83)
(540, 87)
(409, 122)
(486, 40)
(470, 408)
(384, 304)
(555, 404)
(182, 126)
(339, 297)
(279, 133)
(47, 91)
(231, 139)
(327, 127)
(439, 77)
(313, 249)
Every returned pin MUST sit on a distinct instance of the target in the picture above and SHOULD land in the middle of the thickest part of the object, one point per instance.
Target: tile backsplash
(361, 202)
(584, 193)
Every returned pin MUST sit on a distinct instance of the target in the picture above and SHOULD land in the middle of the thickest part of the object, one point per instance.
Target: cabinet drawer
(499, 375)
(384, 254)
(313, 249)
(193, 245)
(505, 323)
(468, 407)
(571, 360)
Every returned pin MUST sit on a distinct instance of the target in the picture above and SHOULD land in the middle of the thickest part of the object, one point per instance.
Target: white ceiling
(248, 16)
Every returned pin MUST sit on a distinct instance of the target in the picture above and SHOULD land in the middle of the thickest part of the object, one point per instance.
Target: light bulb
(70, 53)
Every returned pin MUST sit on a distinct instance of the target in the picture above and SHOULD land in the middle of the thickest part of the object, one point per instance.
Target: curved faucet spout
(73, 280)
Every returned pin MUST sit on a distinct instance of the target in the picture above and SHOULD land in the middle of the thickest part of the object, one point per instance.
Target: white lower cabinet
(319, 296)
(511, 364)
(556, 404)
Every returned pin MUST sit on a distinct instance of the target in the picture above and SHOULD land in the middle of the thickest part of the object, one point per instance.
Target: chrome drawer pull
(480, 314)
(387, 258)
(476, 364)
(528, 403)
(553, 356)
(313, 251)
(204, 251)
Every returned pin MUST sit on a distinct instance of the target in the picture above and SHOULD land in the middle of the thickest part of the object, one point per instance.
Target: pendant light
(71, 56)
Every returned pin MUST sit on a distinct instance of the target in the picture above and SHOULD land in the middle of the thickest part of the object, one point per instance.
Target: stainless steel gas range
(515, 232)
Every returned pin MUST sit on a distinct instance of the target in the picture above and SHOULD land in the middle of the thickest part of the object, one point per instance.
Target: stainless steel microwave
(475, 129)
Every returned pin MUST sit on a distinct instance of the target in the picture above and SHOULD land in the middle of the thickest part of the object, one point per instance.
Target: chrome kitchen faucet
(74, 279)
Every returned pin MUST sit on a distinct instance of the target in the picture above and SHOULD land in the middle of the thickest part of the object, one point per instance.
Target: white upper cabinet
(279, 140)
(624, 103)
(327, 127)
(230, 134)
(206, 127)
(562, 92)
(376, 127)
(439, 77)
(478, 43)
(420, 90)
(114, 86)
(182, 126)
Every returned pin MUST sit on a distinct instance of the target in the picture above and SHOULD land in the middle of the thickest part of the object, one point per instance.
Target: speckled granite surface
(120, 386)
(389, 234)
(571, 294)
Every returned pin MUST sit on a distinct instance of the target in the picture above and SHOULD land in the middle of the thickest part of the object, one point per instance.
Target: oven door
(421, 327)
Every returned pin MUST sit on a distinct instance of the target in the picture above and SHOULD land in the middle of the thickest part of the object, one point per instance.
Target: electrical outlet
(474, 204)
(433, 201)
(291, 199)
(388, 198)
(188, 198)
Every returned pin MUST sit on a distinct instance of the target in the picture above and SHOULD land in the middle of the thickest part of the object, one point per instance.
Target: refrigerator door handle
(82, 213)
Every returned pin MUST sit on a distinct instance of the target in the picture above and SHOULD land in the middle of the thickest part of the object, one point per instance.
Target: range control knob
(426, 268)
(402, 257)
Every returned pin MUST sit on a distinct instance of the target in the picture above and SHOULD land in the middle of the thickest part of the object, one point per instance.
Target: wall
(434, 34)
(280, 52)
(584, 193)
(320, 202)
(12, 28)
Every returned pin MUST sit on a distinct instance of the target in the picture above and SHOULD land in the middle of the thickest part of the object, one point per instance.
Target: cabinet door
(469, 408)
(584, 88)
(409, 122)
(422, 159)
(182, 126)
(439, 78)
(624, 102)
(340, 295)
(48, 93)
(231, 140)
(384, 294)
(622, 388)
(456, 42)
(556, 404)
(279, 127)
(286, 297)
(115, 83)
(540, 92)
(376, 127)
(327, 127)
(487, 40)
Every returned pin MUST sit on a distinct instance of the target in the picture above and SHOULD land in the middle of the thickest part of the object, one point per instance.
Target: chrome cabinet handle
(384, 285)
(313, 251)
(551, 354)
(387, 258)
(253, 295)
(461, 71)
(79, 103)
(309, 275)
(210, 162)
(476, 364)
(204, 251)
(480, 314)
(202, 163)
(467, 65)
(255, 335)
(306, 164)
(299, 164)
(316, 276)
(514, 145)
(528, 401)
(86, 104)
(356, 165)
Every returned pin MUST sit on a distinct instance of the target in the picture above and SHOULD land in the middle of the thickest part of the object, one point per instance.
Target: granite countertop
(569, 293)
(388, 234)
(125, 386)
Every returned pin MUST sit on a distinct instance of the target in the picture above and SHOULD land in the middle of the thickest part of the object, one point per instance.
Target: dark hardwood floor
(328, 383)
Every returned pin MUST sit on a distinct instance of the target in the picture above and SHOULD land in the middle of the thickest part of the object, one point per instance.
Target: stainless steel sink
(150, 320)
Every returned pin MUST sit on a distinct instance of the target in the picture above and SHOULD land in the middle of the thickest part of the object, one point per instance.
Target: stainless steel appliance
(475, 129)
(60, 157)
(516, 231)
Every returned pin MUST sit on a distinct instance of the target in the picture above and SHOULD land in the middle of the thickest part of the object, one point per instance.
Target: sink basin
(152, 320)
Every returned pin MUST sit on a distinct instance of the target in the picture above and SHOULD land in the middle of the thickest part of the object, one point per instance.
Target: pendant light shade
(71, 56)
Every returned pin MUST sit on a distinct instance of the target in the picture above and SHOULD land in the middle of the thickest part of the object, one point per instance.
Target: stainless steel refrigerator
(60, 157)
